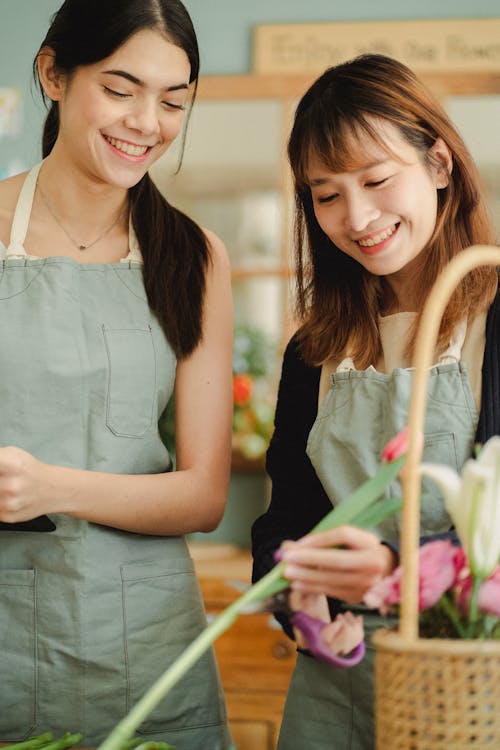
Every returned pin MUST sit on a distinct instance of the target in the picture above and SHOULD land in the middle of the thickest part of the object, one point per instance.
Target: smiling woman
(386, 195)
(112, 300)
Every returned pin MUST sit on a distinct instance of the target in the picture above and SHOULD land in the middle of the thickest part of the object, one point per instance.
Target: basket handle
(425, 344)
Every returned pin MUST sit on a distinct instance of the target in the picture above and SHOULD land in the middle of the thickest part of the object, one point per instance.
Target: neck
(77, 196)
(85, 210)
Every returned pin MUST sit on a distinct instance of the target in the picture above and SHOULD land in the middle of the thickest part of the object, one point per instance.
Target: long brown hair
(338, 301)
(174, 248)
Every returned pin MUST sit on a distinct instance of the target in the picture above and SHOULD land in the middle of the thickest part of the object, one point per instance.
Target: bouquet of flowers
(459, 587)
(253, 396)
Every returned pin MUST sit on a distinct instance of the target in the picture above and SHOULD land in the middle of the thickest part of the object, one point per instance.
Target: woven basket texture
(437, 694)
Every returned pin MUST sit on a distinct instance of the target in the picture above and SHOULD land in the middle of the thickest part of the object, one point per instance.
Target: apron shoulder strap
(22, 213)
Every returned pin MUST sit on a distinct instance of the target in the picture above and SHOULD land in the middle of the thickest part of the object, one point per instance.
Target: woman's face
(383, 213)
(119, 115)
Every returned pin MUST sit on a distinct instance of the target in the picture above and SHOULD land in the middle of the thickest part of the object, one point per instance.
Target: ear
(53, 81)
(442, 161)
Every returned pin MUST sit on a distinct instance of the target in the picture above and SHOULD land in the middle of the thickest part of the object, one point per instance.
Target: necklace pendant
(82, 247)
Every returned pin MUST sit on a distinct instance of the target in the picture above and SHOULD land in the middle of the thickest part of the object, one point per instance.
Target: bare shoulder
(218, 252)
(9, 193)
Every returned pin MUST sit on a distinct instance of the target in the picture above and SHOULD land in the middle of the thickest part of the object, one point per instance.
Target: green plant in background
(253, 351)
(254, 356)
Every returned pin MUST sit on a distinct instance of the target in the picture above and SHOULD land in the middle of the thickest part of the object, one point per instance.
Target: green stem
(32, 743)
(473, 606)
(66, 741)
(271, 583)
(453, 616)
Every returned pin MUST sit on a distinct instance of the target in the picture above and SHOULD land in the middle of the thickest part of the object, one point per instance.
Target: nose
(361, 210)
(144, 118)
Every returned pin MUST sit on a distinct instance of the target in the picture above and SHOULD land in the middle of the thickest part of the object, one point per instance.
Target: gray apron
(90, 616)
(328, 708)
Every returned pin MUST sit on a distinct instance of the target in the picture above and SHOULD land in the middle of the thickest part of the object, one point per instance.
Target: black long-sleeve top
(298, 500)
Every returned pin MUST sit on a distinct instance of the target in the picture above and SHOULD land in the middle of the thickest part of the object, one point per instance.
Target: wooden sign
(453, 45)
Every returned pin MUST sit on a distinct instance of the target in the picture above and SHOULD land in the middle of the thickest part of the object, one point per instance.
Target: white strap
(22, 214)
(346, 365)
(134, 253)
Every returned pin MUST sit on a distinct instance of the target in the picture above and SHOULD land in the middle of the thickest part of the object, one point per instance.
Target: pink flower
(489, 594)
(398, 446)
(385, 593)
(440, 564)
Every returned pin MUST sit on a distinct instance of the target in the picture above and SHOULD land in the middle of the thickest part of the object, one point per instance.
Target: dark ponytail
(176, 256)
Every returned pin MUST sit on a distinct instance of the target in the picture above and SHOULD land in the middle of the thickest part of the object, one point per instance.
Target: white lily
(473, 502)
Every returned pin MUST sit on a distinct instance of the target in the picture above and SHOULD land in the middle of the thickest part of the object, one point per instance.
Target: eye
(117, 94)
(324, 200)
(171, 105)
(377, 183)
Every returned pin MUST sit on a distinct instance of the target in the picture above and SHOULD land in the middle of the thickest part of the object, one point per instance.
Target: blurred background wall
(225, 35)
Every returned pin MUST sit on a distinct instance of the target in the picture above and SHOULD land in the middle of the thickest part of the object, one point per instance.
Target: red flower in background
(242, 389)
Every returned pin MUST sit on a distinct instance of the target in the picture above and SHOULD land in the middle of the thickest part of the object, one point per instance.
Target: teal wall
(225, 34)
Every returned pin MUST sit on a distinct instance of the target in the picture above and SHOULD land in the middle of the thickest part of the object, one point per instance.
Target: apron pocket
(163, 614)
(439, 448)
(131, 381)
(18, 654)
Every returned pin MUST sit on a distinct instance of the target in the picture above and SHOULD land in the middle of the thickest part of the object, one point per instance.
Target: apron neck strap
(22, 213)
(134, 255)
(346, 365)
(453, 353)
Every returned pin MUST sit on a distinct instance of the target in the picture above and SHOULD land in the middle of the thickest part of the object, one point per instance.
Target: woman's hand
(341, 635)
(315, 605)
(342, 563)
(344, 633)
(21, 481)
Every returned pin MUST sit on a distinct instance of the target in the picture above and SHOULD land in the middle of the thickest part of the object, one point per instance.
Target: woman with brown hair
(386, 194)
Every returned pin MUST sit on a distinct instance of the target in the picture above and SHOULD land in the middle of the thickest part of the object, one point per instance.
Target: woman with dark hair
(386, 194)
(111, 301)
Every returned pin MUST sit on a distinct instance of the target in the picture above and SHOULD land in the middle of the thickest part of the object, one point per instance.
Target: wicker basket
(433, 694)
(437, 694)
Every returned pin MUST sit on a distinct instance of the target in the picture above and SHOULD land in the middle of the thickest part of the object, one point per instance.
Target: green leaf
(361, 498)
(382, 509)
(378, 512)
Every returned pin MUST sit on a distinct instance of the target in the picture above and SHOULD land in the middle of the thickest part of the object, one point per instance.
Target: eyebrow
(138, 82)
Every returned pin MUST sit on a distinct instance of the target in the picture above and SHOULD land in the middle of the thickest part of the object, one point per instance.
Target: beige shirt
(393, 333)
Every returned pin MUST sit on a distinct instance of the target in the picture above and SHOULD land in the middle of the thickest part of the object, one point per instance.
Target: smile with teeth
(378, 238)
(127, 148)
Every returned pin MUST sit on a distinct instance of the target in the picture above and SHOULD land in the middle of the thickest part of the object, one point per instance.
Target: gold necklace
(78, 245)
